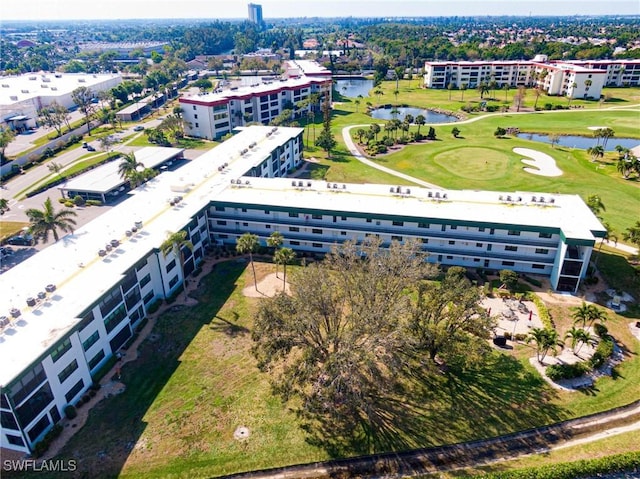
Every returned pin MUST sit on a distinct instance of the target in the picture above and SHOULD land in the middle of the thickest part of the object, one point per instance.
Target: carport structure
(105, 184)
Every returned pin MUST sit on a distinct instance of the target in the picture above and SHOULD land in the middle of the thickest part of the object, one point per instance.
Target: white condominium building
(214, 115)
(575, 79)
(67, 310)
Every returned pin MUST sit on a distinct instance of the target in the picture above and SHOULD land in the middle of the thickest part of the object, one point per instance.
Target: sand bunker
(595, 128)
(543, 164)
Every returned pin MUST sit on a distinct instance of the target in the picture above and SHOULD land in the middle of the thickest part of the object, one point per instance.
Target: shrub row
(532, 281)
(543, 312)
(626, 462)
(569, 371)
(603, 352)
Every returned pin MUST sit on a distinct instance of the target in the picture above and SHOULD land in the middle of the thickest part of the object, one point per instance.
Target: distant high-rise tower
(255, 14)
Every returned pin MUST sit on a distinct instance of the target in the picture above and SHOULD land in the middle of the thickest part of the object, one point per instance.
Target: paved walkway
(355, 152)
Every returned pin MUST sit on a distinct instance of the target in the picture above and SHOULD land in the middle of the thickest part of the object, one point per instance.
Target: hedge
(543, 312)
(628, 462)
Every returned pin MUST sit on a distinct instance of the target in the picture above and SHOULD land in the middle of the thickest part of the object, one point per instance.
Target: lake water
(352, 87)
(582, 142)
(389, 113)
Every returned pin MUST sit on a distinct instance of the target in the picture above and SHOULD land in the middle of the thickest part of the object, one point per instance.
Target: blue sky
(112, 9)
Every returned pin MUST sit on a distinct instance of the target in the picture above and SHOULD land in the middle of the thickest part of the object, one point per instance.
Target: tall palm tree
(274, 241)
(248, 244)
(284, 256)
(129, 169)
(378, 92)
(174, 243)
(420, 120)
(595, 204)
(588, 314)
(546, 340)
(606, 133)
(49, 220)
(579, 337)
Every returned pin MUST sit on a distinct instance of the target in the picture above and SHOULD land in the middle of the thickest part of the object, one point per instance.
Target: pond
(582, 142)
(399, 112)
(352, 87)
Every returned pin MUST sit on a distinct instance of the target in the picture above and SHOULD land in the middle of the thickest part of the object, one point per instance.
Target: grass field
(195, 382)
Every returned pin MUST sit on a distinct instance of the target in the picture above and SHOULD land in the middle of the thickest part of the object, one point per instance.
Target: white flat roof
(78, 286)
(567, 212)
(258, 89)
(105, 177)
(30, 85)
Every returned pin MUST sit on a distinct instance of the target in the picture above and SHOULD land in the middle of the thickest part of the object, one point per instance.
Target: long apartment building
(70, 307)
(214, 115)
(575, 79)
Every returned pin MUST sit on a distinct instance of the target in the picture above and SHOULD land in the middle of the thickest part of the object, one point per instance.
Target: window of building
(316, 217)
(15, 440)
(73, 392)
(171, 265)
(397, 223)
(245, 224)
(39, 427)
(542, 251)
(510, 248)
(90, 341)
(86, 320)
(316, 231)
(537, 266)
(96, 359)
(293, 215)
(452, 242)
(115, 318)
(67, 371)
(148, 297)
(545, 235)
(197, 125)
(508, 263)
(34, 405)
(316, 245)
(173, 281)
(267, 226)
(454, 227)
(60, 350)
(343, 218)
(478, 245)
(396, 238)
(443, 228)
(194, 107)
(110, 301)
(449, 257)
(266, 212)
(219, 208)
(7, 421)
(294, 228)
(481, 230)
(424, 240)
(221, 222)
(145, 280)
(513, 233)
(423, 225)
(368, 220)
(294, 243)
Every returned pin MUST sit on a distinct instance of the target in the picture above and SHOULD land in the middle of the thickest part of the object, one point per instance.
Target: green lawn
(195, 382)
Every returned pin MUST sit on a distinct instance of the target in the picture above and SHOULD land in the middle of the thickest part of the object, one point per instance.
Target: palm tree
(378, 92)
(506, 91)
(375, 128)
(588, 314)
(624, 167)
(579, 337)
(546, 340)
(606, 133)
(595, 204)
(4, 204)
(596, 152)
(275, 241)
(173, 244)
(463, 87)
(129, 169)
(49, 220)
(284, 256)
(360, 134)
(396, 93)
(248, 244)
(420, 120)
(632, 234)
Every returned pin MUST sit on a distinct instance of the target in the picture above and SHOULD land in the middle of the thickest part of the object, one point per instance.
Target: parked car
(21, 240)
(90, 148)
(85, 145)
(138, 128)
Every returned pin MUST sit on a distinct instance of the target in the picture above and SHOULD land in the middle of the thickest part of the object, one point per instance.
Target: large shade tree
(337, 343)
(48, 220)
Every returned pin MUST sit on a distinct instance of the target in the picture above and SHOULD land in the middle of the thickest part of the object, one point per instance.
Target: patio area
(513, 316)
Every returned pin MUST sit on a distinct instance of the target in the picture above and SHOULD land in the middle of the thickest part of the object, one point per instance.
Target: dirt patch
(268, 286)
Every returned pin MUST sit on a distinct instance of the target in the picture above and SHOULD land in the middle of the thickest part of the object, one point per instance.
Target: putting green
(474, 163)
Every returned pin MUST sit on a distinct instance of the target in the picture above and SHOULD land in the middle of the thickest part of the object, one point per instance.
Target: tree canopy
(359, 322)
